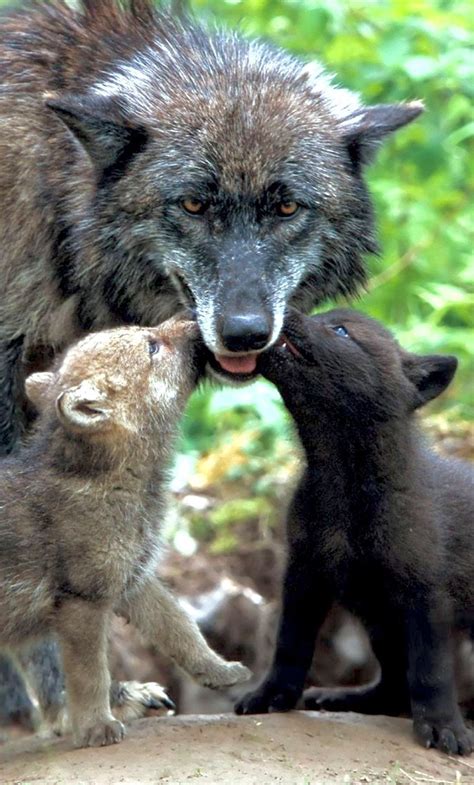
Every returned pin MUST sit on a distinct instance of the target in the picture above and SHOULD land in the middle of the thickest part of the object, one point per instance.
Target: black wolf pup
(378, 522)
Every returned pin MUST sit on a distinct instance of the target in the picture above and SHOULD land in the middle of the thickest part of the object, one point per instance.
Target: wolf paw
(135, 700)
(451, 737)
(101, 734)
(224, 674)
(268, 698)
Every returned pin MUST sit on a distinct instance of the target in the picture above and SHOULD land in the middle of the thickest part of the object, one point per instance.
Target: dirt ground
(301, 748)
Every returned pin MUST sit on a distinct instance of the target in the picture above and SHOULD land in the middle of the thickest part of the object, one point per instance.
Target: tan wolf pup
(80, 513)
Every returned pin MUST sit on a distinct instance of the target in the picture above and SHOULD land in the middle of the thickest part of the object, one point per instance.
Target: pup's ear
(365, 129)
(295, 319)
(38, 388)
(84, 408)
(430, 373)
(99, 126)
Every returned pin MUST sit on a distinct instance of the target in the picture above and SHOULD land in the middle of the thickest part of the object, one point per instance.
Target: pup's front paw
(450, 736)
(223, 674)
(269, 697)
(101, 734)
(134, 700)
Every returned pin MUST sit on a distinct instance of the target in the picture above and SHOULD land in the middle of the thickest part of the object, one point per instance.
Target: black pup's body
(378, 522)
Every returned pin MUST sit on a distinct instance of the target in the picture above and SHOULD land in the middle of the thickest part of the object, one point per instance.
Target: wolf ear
(97, 124)
(83, 408)
(430, 373)
(365, 129)
(38, 388)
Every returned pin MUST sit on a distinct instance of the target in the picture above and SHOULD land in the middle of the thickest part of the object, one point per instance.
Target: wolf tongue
(245, 364)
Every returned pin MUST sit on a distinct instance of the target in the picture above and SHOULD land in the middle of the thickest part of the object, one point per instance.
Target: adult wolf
(145, 163)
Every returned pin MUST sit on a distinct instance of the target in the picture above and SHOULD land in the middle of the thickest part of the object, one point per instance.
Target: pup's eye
(287, 209)
(194, 206)
(153, 347)
(341, 330)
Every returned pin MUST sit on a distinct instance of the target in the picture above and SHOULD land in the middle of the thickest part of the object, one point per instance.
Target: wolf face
(233, 171)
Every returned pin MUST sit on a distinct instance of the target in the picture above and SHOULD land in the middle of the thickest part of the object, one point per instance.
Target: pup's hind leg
(82, 631)
(165, 624)
(437, 719)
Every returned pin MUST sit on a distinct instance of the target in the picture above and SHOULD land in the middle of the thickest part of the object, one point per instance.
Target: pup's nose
(245, 332)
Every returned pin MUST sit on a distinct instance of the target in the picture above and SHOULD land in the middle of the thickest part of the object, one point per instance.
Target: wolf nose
(245, 332)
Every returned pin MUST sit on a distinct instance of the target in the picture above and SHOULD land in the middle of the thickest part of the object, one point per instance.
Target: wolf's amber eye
(153, 347)
(287, 209)
(194, 206)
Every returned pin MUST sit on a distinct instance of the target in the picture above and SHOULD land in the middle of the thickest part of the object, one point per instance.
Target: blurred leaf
(237, 510)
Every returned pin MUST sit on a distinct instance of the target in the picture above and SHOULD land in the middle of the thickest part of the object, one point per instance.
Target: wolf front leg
(16, 703)
(164, 623)
(437, 720)
(82, 631)
(41, 668)
(11, 416)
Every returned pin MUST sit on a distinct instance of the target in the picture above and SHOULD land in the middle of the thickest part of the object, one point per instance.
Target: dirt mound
(300, 748)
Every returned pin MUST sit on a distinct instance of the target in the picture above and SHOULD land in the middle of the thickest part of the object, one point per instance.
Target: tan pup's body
(80, 514)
